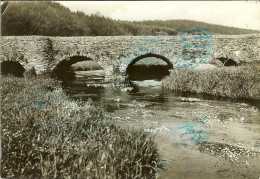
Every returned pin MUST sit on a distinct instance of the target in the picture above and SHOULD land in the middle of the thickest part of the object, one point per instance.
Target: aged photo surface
(130, 89)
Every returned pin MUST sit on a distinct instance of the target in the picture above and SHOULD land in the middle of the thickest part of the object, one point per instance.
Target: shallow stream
(197, 136)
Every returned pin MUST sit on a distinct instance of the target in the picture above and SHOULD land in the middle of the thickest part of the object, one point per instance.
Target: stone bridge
(45, 53)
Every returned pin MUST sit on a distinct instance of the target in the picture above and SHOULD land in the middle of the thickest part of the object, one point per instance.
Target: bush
(234, 82)
(46, 135)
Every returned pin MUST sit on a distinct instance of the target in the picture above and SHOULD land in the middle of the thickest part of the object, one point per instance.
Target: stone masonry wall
(28, 51)
(44, 53)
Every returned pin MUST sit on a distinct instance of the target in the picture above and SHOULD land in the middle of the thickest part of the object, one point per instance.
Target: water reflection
(151, 72)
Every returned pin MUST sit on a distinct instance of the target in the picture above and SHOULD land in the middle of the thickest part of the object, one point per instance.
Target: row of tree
(52, 19)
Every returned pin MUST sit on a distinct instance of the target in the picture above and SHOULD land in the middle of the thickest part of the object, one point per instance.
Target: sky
(242, 14)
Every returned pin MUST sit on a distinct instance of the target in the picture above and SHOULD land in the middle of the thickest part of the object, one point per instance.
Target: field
(234, 82)
(46, 135)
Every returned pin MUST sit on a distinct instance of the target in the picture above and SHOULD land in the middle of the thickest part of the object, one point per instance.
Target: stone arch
(227, 58)
(227, 61)
(15, 57)
(143, 72)
(64, 66)
(12, 67)
(169, 63)
(80, 54)
(74, 59)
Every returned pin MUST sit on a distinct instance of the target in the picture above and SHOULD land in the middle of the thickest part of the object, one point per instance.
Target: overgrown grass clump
(234, 82)
(46, 135)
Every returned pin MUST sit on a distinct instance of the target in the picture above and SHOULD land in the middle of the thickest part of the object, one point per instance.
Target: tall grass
(234, 82)
(46, 135)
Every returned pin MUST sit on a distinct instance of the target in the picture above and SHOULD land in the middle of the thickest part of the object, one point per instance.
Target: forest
(53, 19)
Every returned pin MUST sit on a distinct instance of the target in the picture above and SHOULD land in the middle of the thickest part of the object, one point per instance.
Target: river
(197, 136)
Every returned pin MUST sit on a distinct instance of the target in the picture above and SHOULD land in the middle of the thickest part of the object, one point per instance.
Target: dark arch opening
(227, 61)
(64, 70)
(13, 68)
(148, 72)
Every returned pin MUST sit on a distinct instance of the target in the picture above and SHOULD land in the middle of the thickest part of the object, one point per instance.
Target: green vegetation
(86, 66)
(53, 19)
(46, 135)
(235, 82)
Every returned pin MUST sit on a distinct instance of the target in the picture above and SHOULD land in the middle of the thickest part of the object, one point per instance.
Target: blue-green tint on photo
(202, 49)
(193, 133)
(36, 104)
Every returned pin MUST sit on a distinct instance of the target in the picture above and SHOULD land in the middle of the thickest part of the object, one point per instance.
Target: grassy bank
(86, 66)
(234, 82)
(46, 135)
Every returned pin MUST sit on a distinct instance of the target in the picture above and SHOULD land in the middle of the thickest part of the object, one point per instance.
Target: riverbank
(234, 82)
(86, 66)
(46, 135)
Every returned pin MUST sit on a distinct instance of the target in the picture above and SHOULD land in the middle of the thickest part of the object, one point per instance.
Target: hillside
(53, 19)
(185, 25)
